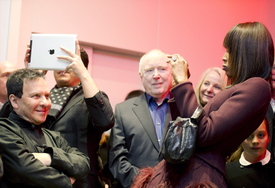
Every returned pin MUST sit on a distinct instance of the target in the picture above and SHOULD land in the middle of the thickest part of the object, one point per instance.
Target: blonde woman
(213, 81)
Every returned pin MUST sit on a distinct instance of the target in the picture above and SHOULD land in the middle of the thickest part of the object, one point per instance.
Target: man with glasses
(140, 122)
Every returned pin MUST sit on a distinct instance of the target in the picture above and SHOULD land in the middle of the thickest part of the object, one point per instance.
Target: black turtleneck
(34, 132)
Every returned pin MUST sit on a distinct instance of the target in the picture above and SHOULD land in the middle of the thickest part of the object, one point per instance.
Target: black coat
(22, 169)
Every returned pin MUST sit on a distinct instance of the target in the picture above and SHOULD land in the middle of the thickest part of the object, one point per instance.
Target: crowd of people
(56, 137)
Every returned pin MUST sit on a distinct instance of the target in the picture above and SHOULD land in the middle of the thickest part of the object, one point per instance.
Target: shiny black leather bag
(180, 140)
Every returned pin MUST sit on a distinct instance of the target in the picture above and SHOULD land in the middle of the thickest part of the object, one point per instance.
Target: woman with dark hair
(229, 117)
(251, 51)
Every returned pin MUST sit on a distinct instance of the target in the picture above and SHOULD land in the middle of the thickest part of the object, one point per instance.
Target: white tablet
(46, 47)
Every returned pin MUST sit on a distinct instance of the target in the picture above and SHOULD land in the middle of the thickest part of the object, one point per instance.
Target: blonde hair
(223, 81)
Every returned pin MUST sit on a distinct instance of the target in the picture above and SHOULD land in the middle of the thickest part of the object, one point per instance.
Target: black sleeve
(5, 110)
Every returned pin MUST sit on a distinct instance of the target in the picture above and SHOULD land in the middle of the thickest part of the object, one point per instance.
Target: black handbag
(180, 139)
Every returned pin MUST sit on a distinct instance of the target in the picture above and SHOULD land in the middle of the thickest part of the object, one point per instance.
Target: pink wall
(116, 75)
(194, 29)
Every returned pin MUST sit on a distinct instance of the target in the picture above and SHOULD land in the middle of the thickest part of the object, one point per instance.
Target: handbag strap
(197, 115)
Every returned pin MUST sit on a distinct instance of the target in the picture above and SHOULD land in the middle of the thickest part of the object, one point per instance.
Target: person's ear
(13, 101)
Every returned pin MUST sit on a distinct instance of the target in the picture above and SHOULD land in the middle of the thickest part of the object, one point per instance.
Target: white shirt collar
(264, 161)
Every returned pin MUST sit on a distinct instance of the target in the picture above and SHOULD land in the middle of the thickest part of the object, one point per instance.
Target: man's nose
(44, 100)
(156, 73)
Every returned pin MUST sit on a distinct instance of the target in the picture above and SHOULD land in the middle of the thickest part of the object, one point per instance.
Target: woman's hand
(180, 69)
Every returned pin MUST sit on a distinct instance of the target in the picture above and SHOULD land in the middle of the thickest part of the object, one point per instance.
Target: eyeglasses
(151, 71)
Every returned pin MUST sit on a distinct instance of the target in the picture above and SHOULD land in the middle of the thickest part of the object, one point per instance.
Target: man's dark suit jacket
(133, 140)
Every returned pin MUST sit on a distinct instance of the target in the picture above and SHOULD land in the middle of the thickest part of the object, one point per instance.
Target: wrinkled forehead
(155, 59)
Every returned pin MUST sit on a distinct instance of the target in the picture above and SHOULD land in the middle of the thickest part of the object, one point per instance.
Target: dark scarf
(60, 97)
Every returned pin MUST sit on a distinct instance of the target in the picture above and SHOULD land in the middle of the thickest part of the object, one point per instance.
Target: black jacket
(22, 169)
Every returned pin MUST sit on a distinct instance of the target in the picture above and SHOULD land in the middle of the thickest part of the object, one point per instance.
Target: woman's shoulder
(257, 80)
(254, 89)
(251, 83)
(255, 84)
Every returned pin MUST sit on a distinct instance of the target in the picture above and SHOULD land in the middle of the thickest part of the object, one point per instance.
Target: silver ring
(174, 58)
